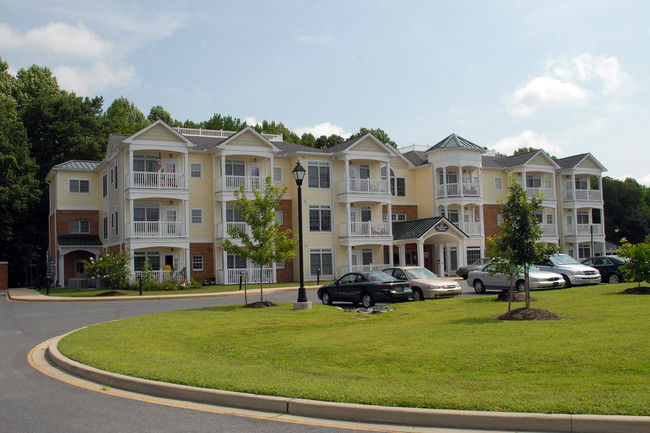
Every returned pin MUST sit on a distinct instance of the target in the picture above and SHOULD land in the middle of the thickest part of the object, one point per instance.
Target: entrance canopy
(428, 231)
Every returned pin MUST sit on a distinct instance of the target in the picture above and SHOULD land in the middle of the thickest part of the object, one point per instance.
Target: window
(105, 226)
(320, 218)
(364, 171)
(279, 265)
(197, 263)
(145, 163)
(453, 216)
(498, 184)
(499, 218)
(277, 174)
(584, 251)
(318, 174)
(79, 186)
(549, 219)
(117, 224)
(148, 212)
(235, 168)
(582, 217)
(366, 256)
(397, 184)
(79, 267)
(533, 181)
(104, 185)
(581, 183)
(539, 216)
(196, 170)
(394, 217)
(236, 262)
(320, 259)
(279, 216)
(80, 226)
(140, 258)
(473, 254)
(548, 183)
(116, 177)
(197, 216)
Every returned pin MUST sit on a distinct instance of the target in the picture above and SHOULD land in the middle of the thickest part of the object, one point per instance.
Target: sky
(569, 77)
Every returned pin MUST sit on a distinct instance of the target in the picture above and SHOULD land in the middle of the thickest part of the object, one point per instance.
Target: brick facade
(70, 259)
(207, 251)
(286, 274)
(490, 224)
(63, 218)
(411, 211)
(4, 275)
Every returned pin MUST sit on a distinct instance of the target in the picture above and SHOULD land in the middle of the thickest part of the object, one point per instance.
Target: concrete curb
(30, 295)
(558, 423)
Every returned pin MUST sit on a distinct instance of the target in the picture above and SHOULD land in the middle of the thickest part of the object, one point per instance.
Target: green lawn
(64, 291)
(447, 353)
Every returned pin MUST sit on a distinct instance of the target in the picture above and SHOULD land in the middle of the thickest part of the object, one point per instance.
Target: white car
(483, 280)
(424, 283)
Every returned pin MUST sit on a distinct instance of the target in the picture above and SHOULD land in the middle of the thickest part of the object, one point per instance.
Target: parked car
(608, 266)
(424, 283)
(365, 287)
(482, 280)
(574, 273)
(463, 271)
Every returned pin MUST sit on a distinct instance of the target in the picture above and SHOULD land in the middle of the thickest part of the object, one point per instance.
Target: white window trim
(192, 217)
(78, 180)
(277, 180)
(200, 177)
(499, 186)
(193, 263)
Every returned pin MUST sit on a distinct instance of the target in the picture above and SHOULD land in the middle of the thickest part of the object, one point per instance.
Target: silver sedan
(486, 278)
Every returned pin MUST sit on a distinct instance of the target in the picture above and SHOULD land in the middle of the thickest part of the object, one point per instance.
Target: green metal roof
(413, 229)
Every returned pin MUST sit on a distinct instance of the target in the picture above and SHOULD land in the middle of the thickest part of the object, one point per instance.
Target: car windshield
(563, 259)
(533, 268)
(379, 276)
(483, 261)
(415, 273)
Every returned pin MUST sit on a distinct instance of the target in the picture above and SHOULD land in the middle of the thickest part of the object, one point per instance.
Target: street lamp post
(302, 303)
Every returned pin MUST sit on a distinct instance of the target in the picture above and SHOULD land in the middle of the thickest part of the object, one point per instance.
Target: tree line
(42, 125)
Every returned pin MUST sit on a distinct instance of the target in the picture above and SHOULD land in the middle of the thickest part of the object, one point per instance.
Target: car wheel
(521, 286)
(367, 300)
(567, 282)
(417, 295)
(614, 279)
(479, 287)
(326, 298)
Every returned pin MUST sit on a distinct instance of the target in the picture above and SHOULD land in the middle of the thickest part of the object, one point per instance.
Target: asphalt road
(33, 402)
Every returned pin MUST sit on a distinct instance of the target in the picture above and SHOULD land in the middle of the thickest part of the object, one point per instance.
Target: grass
(446, 354)
(67, 292)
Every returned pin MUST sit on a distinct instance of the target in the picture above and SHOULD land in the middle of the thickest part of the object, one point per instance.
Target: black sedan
(608, 266)
(365, 287)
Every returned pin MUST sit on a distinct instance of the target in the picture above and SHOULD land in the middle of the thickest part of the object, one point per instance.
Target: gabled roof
(454, 142)
(349, 143)
(81, 240)
(78, 165)
(415, 229)
(576, 160)
(416, 158)
(157, 124)
(524, 158)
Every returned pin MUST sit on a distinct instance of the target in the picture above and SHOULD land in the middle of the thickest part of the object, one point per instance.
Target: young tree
(266, 243)
(519, 240)
(638, 266)
(112, 268)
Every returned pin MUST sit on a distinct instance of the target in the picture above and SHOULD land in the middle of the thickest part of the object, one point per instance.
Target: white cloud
(251, 121)
(544, 90)
(527, 138)
(570, 81)
(325, 128)
(645, 180)
(56, 38)
(92, 80)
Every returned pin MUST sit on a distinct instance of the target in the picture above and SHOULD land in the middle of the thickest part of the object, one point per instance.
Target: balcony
(584, 230)
(222, 229)
(549, 193)
(470, 229)
(365, 229)
(364, 186)
(232, 183)
(158, 180)
(159, 276)
(155, 229)
(465, 189)
(590, 195)
(549, 230)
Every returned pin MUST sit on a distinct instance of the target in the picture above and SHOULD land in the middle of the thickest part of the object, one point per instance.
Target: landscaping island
(445, 354)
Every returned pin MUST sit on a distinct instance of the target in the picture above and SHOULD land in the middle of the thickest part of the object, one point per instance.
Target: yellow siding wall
(69, 200)
(201, 197)
(159, 133)
(490, 193)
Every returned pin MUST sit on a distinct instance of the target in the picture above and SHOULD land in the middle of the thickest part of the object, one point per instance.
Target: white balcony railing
(582, 195)
(222, 229)
(232, 183)
(549, 193)
(583, 229)
(155, 229)
(250, 275)
(365, 229)
(549, 230)
(357, 268)
(472, 228)
(468, 189)
(158, 180)
(364, 186)
(160, 276)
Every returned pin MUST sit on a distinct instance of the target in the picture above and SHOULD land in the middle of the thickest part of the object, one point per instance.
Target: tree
(626, 209)
(266, 243)
(638, 266)
(378, 133)
(111, 268)
(159, 113)
(124, 117)
(518, 242)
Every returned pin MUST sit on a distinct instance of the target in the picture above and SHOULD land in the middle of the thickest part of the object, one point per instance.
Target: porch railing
(155, 229)
(160, 276)
(469, 189)
(158, 180)
(364, 186)
(582, 195)
(251, 275)
(232, 183)
(222, 228)
(365, 229)
(471, 228)
(583, 229)
(549, 193)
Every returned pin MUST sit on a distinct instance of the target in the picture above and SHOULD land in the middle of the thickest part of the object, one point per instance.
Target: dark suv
(608, 266)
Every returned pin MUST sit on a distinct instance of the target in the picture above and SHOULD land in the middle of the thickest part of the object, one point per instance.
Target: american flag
(159, 165)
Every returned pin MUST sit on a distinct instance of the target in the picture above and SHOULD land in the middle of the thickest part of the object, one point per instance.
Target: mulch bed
(111, 293)
(261, 304)
(516, 297)
(529, 314)
(637, 291)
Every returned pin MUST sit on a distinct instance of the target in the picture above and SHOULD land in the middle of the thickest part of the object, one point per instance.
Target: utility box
(4, 275)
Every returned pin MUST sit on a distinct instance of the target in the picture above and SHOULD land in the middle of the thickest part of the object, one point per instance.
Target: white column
(348, 218)
(444, 180)
(389, 208)
(480, 182)
(188, 266)
(420, 250)
(461, 224)
(349, 258)
(447, 258)
(460, 181)
(402, 254)
(390, 255)
(441, 259)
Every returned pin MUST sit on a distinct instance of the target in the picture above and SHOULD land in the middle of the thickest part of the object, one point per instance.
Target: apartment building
(166, 195)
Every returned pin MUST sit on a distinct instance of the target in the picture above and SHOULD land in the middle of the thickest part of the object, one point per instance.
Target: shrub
(637, 268)
(113, 270)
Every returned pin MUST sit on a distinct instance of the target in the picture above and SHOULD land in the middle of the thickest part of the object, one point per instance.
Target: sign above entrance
(442, 227)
